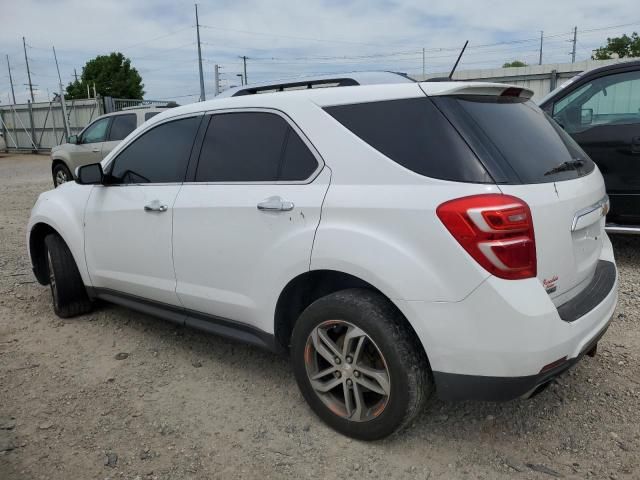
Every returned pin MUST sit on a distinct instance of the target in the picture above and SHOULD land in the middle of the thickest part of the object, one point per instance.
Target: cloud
(284, 39)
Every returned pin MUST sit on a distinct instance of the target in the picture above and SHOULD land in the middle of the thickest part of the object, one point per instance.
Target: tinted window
(514, 131)
(608, 100)
(242, 147)
(148, 115)
(159, 155)
(413, 133)
(298, 163)
(96, 132)
(122, 126)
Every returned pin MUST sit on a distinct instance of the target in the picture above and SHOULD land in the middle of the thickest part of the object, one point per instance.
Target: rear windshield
(413, 133)
(517, 142)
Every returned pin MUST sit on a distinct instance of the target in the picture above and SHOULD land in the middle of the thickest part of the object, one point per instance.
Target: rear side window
(157, 156)
(122, 126)
(413, 133)
(253, 147)
(517, 137)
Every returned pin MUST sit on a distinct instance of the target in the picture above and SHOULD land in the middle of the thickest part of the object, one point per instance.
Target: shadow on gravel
(450, 421)
(626, 249)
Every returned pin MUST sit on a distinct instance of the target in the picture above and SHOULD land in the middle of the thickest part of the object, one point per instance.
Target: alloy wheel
(347, 371)
(61, 177)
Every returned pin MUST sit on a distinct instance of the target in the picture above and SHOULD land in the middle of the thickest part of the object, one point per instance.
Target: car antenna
(458, 60)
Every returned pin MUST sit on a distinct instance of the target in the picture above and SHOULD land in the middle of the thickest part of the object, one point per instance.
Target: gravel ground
(117, 394)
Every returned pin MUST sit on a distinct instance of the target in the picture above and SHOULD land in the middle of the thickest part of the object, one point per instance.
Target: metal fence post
(53, 119)
(4, 132)
(32, 127)
(553, 80)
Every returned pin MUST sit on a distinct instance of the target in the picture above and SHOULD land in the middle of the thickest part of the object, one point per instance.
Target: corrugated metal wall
(540, 78)
(47, 128)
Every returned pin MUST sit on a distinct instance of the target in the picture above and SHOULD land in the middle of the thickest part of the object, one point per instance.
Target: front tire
(68, 292)
(61, 174)
(358, 364)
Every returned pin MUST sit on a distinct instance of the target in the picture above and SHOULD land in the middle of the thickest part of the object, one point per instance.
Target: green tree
(112, 75)
(515, 63)
(624, 46)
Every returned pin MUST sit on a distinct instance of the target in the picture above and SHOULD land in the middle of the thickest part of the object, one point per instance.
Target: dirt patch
(117, 394)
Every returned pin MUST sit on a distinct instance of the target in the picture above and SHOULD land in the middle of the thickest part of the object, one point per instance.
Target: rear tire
(61, 174)
(380, 386)
(68, 292)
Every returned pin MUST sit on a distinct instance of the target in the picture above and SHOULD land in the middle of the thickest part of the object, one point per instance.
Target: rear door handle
(155, 206)
(95, 150)
(275, 204)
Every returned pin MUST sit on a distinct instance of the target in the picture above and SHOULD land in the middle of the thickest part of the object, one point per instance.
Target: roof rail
(342, 79)
(280, 87)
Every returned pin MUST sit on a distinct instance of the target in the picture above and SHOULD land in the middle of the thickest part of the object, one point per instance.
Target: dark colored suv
(600, 109)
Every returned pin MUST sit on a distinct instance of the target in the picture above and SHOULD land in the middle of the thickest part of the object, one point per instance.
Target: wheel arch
(38, 251)
(60, 161)
(308, 287)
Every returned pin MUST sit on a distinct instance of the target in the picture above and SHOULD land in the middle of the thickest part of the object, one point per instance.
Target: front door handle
(155, 206)
(635, 145)
(96, 150)
(275, 204)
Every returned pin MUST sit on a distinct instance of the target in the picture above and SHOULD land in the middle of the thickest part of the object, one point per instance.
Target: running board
(622, 229)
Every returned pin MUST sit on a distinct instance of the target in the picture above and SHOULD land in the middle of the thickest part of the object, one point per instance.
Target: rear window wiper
(565, 166)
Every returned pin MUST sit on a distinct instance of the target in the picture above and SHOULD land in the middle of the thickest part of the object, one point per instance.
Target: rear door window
(253, 147)
(122, 125)
(413, 133)
(149, 115)
(516, 139)
(298, 163)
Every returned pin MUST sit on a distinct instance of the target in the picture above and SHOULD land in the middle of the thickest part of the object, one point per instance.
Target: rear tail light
(496, 230)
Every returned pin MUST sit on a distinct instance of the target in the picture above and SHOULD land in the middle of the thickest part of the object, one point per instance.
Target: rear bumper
(496, 343)
(454, 386)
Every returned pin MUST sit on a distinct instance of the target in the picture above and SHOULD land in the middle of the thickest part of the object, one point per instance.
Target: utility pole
(202, 95)
(541, 37)
(75, 74)
(241, 81)
(13, 94)
(62, 101)
(216, 80)
(24, 45)
(573, 50)
(424, 74)
(244, 61)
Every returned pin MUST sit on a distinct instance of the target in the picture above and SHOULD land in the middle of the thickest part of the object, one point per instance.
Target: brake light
(511, 92)
(496, 230)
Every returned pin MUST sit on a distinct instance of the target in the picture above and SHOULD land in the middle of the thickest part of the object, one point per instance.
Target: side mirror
(91, 174)
(586, 116)
(73, 139)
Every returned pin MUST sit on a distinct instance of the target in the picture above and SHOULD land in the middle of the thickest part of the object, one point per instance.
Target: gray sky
(285, 38)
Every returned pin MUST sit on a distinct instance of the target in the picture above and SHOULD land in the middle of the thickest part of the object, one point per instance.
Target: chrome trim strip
(586, 211)
(612, 228)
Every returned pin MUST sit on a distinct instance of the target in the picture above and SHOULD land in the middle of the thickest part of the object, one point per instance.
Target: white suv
(395, 240)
